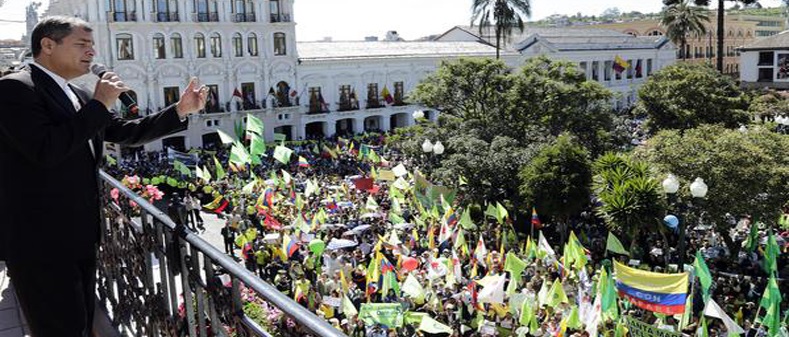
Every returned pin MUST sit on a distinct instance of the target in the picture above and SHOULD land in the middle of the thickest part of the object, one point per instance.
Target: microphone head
(98, 69)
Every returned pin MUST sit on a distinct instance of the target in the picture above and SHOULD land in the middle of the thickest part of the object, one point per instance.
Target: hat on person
(344, 322)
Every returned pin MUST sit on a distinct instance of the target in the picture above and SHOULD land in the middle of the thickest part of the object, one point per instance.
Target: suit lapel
(53, 90)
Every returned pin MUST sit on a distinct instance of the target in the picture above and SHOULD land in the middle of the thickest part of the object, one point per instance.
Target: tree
(746, 171)
(681, 20)
(469, 89)
(630, 198)
(557, 181)
(556, 96)
(506, 14)
(721, 30)
(684, 96)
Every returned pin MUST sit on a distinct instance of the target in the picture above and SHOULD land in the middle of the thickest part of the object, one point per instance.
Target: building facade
(594, 50)
(765, 63)
(246, 52)
(701, 48)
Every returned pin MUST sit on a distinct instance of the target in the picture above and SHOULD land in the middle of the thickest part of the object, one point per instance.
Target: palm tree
(506, 14)
(681, 20)
(721, 30)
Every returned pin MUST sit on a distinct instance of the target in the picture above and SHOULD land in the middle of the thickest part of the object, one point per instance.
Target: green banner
(641, 329)
(387, 314)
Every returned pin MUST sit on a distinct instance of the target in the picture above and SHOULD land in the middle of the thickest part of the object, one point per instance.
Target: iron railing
(156, 278)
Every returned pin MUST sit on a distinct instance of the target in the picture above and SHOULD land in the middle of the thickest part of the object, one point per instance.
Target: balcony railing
(280, 17)
(121, 16)
(205, 17)
(156, 278)
(244, 17)
(165, 16)
(347, 106)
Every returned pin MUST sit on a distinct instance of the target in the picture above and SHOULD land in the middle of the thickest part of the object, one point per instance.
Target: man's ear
(47, 45)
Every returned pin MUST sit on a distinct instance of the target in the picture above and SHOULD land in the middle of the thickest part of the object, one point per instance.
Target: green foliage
(505, 13)
(684, 96)
(469, 89)
(557, 180)
(555, 96)
(681, 20)
(747, 172)
(768, 105)
(630, 198)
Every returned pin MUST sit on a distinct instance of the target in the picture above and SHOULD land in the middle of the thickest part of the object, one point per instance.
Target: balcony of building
(280, 17)
(157, 278)
(244, 17)
(205, 17)
(127, 16)
(165, 16)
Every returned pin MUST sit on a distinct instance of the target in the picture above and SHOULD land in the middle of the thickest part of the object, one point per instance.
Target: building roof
(777, 41)
(571, 39)
(384, 49)
(601, 41)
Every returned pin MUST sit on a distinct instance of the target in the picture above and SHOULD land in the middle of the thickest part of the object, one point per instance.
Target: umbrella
(360, 229)
(335, 244)
(403, 225)
(370, 215)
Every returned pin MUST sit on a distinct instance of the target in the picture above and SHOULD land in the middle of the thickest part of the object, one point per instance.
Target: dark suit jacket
(49, 188)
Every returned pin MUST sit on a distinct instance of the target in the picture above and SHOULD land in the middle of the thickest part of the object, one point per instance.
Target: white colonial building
(765, 63)
(246, 52)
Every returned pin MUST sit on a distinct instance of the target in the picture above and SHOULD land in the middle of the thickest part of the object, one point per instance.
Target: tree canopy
(684, 96)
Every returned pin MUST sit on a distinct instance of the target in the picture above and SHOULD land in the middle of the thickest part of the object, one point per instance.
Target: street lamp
(698, 189)
(427, 147)
(438, 148)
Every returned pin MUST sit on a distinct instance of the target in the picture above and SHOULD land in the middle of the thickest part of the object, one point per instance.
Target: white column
(384, 125)
(330, 128)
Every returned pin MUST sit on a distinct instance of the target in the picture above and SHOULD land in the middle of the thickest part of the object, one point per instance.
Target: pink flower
(133, 180)
(114, 193)
(133, 204)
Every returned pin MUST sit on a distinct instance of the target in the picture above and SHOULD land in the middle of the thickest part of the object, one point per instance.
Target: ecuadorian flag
(663, 293)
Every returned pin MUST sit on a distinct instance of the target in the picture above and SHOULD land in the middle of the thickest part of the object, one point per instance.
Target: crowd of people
(350, 225)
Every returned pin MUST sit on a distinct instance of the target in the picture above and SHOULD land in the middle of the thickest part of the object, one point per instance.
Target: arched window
(252, 44)
(238, 45)
(731, 33)
(200, 45)
(739, 33)
(280, 47)
(125, 47)
(176, 46)
(216, 45)
(158, 46)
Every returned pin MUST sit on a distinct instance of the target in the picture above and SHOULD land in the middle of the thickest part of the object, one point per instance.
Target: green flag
(703, 273)
(465, 220)
(348, 308)
(239, 154)
(225, 138)
(180, 167)
(614, 245)
(753, 238)
(110, 160)
(282, 154)
(556, 295)
(371, 204)
(771, 294)
(432, 326)
(220, 171)
(501, 212)
(574, 321)
(257, 146)
(279, 137)
(491, 211)
(395, 219)
(255, 125)
(704, 332)
(771, 255)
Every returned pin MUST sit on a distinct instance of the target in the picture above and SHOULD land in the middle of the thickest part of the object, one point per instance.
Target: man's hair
(55, 28)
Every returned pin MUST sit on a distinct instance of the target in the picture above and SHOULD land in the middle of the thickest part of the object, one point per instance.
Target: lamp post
(698, 189)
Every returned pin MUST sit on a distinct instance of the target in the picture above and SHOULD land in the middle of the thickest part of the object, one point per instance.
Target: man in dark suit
(51, 140)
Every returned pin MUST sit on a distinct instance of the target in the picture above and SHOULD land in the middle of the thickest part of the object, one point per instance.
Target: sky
(412, 19)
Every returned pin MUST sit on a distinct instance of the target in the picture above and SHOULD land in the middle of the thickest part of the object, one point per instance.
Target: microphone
(99, 69)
